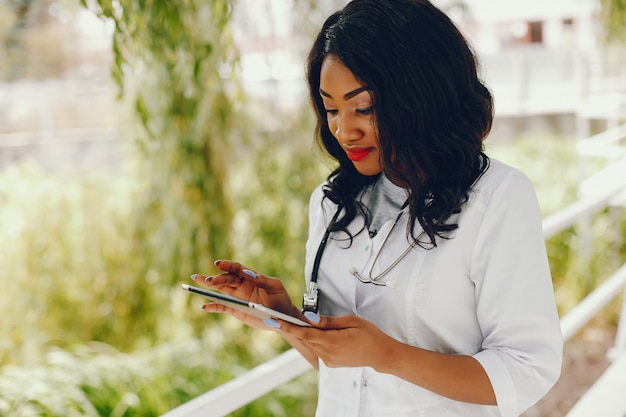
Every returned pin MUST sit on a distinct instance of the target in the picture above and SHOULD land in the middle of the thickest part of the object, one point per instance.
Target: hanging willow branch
(174, 60)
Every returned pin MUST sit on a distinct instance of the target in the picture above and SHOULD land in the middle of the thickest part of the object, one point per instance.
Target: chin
(368, 172)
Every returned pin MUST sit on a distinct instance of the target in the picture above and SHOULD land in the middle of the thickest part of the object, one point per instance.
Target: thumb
(332, 322)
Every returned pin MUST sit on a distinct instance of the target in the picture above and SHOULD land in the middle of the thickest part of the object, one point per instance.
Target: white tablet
(254, 309)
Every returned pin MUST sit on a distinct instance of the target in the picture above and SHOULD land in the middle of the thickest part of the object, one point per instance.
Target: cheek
(332, 125)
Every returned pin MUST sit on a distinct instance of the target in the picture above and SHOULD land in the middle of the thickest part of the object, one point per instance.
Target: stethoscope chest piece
(311, 298)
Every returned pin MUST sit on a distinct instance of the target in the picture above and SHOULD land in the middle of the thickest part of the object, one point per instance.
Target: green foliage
(613, 13)
(68, 263)
(550, 163)
(94, 380)
(102, 259)
(58, 254)
(174, 60)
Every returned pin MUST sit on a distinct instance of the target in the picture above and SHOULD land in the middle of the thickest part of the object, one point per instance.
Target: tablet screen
(254, 309)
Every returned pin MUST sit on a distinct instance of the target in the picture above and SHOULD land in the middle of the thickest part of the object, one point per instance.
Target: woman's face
(350, 114)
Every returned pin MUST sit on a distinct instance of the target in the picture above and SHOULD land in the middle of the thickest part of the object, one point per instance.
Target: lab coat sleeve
(522, 347)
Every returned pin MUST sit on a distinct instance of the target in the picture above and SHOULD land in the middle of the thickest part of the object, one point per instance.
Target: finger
(218, 281)
(236, 273)
(267, 324)
(200, 279)
(332, 322)
(235, 269)
(219, 308)
(320, 339)
(216, 308)
(310, 336)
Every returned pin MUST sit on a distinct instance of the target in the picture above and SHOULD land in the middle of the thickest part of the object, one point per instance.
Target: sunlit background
(136, 149)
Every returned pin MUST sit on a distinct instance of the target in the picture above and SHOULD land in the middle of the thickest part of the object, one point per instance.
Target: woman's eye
(331, 111)
(365, 110)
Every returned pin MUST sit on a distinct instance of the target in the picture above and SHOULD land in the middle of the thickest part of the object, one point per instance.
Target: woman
(435, 296)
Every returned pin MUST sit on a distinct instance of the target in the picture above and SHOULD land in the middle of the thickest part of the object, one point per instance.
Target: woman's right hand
(241, 282)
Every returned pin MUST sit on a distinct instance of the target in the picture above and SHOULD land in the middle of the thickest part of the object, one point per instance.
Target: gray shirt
(384, 200)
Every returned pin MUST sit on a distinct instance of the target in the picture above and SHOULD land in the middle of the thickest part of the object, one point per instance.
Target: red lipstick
(358, 154)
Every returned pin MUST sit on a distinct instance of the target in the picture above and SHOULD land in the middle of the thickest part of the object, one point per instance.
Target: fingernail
(249, 273)
(194, 276)
(202, 306)
(216, 263)
(271, 323)
(208, 279)
(314, 317)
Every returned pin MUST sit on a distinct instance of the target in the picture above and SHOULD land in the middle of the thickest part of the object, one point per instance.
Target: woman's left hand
(350, 341)
(343, 341)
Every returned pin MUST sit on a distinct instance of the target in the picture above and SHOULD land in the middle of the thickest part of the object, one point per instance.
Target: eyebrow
(348, 95)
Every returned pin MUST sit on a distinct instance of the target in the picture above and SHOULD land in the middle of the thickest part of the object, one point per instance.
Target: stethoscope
(310, 300)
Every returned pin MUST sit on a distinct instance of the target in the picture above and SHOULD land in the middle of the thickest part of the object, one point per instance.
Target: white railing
(606, 397)
(599, 191)
(592, 304)
(243, 390)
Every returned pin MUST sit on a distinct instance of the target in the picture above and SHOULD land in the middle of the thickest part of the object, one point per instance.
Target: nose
(345, 129)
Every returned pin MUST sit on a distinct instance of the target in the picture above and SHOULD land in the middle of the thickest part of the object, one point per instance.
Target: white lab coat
(486, 292)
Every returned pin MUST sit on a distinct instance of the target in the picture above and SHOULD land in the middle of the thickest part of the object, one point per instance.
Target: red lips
(358, 154)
